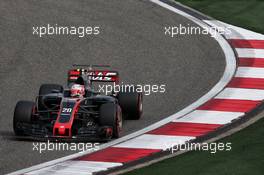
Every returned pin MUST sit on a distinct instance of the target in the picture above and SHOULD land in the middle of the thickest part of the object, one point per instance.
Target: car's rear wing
(93, 75)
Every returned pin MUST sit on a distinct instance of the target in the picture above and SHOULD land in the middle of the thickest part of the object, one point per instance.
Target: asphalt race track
(131, 39)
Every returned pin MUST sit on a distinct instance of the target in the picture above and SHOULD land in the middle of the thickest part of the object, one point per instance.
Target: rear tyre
(23, 114)
(131, 104)
(111, 115)
(47, 89)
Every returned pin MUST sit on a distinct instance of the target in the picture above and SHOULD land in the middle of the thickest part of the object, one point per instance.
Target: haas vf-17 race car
(79, 111)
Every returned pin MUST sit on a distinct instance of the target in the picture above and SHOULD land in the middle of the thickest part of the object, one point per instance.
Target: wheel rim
(119, 122)
(140, 104)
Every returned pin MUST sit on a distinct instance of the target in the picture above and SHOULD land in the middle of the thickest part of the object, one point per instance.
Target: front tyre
(23, 114)
(111, 115)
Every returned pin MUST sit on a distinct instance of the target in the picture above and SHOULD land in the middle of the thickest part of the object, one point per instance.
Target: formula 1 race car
(78, 112)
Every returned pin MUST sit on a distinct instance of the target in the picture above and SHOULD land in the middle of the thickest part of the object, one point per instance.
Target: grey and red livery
(93, 116)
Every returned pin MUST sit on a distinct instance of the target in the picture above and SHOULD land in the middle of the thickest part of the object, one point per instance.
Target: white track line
(152, 141)
(210, 117)
(250, 72)
(70, 167)
(241, 94)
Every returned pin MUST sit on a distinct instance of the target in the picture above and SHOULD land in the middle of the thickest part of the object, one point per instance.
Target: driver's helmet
(77, 90)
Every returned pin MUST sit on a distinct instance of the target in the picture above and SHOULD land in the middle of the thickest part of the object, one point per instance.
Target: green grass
(244, 13)
(245, 158)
